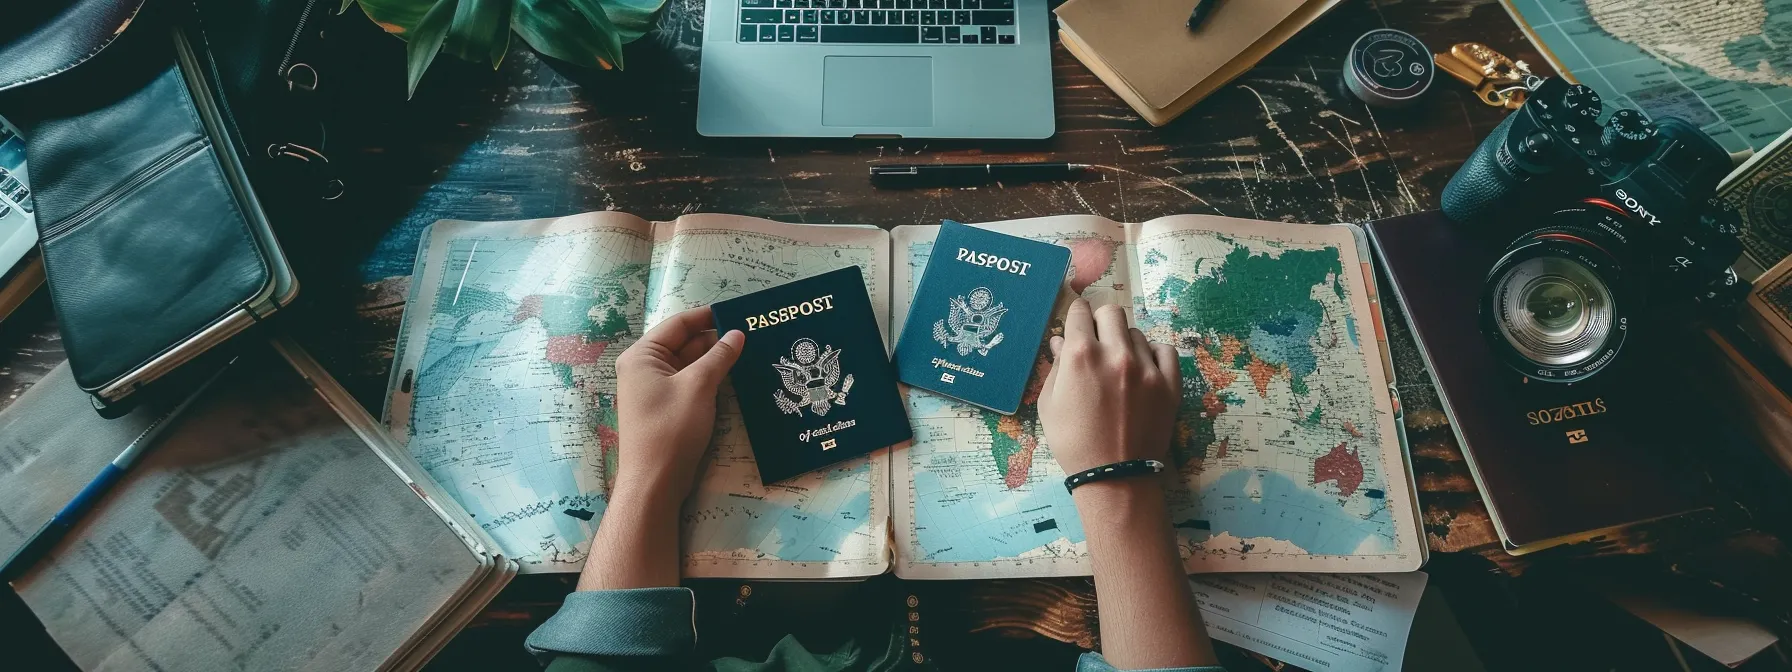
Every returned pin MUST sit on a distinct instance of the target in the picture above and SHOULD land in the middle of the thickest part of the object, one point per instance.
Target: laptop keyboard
(878, 21)
(15, 191)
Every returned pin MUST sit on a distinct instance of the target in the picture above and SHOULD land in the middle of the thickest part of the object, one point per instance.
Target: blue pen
(59, 524)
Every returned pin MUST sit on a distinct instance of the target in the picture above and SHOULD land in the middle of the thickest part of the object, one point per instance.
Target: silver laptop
(876, 68)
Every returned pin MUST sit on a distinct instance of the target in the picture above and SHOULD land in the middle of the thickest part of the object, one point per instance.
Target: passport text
(788, 313)
(988, 260)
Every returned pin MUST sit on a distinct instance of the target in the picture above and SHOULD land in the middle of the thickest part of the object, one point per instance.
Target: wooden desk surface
(537, 140)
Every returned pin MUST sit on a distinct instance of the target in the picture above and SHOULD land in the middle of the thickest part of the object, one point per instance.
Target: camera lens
(1553, 310)
(1552, 302)
(1552, 299)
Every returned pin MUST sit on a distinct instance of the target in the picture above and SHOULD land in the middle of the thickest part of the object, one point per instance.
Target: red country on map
(1090, 259)
(1339, 465)
(579, 329)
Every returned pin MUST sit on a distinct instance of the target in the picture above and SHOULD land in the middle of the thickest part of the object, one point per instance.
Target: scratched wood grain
(538, 139)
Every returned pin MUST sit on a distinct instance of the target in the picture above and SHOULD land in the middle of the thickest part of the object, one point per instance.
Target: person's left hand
(666, 403)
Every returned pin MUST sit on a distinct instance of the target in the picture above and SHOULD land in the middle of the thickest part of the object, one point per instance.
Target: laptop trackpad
(877, 91)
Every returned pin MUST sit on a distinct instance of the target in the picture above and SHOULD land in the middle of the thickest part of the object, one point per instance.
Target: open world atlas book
(1288, 449)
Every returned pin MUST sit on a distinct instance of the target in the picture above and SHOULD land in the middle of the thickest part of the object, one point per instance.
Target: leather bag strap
(57, 35)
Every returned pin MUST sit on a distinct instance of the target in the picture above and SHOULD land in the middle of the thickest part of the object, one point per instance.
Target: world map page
(504, 389)
(1286, 449)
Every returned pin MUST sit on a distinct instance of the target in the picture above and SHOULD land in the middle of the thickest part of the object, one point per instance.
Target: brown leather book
(1554, 463)
(1146, 53)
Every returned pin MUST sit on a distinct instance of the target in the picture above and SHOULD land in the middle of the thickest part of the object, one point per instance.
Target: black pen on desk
(52, 531)
(973, 174)
(1203, 9)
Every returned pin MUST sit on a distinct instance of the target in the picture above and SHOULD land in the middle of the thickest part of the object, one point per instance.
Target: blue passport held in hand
(979, 312)
(814, 382)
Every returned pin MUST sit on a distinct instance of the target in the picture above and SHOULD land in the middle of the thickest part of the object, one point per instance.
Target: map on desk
(504, 389)
(1724, 66)
(1280, 446)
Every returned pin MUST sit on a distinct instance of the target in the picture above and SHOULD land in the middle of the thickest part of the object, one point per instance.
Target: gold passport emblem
(828, 444)
(1577, 436)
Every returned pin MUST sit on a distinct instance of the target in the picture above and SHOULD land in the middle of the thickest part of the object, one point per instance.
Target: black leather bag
(143, 118)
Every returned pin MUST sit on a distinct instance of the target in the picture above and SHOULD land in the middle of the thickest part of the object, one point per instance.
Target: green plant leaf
(345, 4)
(425, 40)
(398, 17)
(608, 35)
(633, 18)
(480, 31)
(573, 34)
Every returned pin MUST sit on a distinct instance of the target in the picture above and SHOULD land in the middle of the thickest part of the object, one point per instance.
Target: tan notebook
(1145, 52)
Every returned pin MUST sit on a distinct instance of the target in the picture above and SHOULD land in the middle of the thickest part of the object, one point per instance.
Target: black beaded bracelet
(1115, 470)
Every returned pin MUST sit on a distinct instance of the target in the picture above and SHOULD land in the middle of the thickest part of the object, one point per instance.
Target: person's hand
(666, 403)
(1111, 395)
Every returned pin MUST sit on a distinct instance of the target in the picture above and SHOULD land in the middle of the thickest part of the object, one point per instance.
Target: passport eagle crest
(809, 375)
(968, 322)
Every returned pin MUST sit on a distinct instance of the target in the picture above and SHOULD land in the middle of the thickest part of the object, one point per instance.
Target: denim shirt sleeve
(1093, 662)
(634, 623)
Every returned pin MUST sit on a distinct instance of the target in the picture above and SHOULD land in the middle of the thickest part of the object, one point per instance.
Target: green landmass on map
(1251, 289)
(580, 328)
(1252, 293)
(1172, 287)
(572, 316)
(1252, 316)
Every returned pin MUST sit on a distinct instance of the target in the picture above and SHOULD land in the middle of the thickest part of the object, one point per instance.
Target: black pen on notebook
(973, 174)
(46, 537)
(1203, 9)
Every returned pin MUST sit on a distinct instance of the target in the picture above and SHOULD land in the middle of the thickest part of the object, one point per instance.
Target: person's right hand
(666, 402)
(1111, 395)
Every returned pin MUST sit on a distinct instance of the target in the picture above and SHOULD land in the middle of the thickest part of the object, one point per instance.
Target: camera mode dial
(1629, 135)
(1582, 102)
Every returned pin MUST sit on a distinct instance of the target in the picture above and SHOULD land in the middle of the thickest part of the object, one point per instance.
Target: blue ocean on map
(1286, 510)
(445, 362)
(1003, 523)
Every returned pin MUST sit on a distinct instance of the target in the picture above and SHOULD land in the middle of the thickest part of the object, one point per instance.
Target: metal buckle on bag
(302, 80)
(1497, 80)
(302, 77)
(330, 187)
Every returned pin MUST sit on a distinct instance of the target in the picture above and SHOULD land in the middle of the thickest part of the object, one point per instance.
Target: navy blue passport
(814, 383)
(979, 312)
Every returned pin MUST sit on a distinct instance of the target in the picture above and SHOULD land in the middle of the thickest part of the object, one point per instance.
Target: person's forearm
(636, 545)
(1148, 614)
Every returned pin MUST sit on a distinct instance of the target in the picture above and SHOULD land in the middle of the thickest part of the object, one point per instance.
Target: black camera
(1620, 220)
